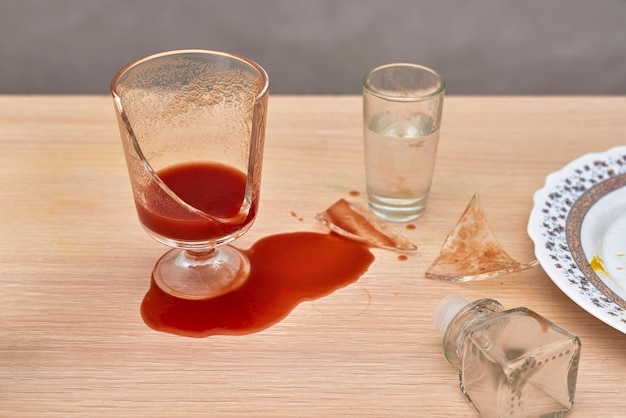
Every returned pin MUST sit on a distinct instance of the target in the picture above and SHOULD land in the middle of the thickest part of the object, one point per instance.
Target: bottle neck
(466, 320)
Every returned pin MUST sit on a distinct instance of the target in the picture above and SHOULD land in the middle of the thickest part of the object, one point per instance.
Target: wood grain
(75, 265)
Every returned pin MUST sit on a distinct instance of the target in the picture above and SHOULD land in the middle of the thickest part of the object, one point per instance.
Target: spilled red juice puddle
(286, 269)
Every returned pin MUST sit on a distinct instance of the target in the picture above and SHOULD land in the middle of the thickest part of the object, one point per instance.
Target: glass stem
(200, 257)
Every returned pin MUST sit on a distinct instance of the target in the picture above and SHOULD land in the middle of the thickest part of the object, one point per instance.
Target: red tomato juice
(285, 269)
(213, 188)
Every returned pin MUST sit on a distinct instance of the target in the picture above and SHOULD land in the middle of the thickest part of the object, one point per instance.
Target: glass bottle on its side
(512, 363)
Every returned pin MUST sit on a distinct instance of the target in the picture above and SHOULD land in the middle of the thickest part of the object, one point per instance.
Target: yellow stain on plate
(597, 265)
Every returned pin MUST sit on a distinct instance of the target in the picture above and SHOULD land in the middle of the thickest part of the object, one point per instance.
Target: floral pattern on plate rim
(554, 226)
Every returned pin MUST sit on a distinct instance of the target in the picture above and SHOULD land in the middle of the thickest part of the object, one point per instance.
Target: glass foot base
(201, 275)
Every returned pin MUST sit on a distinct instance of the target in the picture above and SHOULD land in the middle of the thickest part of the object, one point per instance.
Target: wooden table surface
(75, 265)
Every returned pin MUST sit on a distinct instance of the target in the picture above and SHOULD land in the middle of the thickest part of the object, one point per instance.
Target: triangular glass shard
(471, 252)
(352, 221)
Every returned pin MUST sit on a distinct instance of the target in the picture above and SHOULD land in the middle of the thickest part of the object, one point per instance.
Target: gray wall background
(323, 46)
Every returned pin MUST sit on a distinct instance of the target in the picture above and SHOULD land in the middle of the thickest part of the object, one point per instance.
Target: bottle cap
(446, 310)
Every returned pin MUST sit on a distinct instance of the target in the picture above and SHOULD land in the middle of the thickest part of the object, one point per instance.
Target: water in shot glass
(402, 108)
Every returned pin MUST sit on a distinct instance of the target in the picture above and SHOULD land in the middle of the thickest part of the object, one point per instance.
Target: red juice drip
(213, 188)
(286, 269)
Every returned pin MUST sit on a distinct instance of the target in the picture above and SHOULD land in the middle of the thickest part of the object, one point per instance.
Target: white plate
(579, 219)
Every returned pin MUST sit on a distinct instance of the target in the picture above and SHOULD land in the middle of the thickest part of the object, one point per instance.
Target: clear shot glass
(402, 109)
